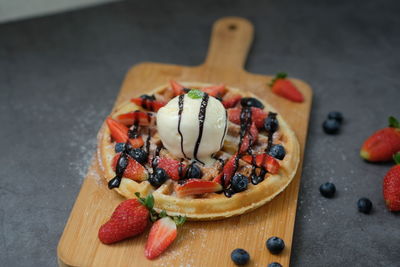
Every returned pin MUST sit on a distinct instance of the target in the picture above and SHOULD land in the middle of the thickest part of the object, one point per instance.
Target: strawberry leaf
(163, 214)
(279, 75)
(393, 122)
(149, 202)
(396, 158)
(179, 220)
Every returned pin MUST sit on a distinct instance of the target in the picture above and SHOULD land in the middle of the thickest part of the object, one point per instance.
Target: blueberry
(139, 155)
(274, 264)
(148, 97)
(327, 190)
(119, 147)
(158, 177)
(331, 126)
(251, 102)
(193, 171)
(277, 151)
(271, 123)
(239, 182)
(275, 245)
(364, 205)
(240, 256)
(122, 163)
(335, 115)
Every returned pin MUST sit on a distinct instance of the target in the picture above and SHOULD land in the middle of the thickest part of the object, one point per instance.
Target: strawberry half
(152, 105)
(265, 161)
(257, 116)
(231, 101)
(197, 187)
(134, 170)
(391, 186)
(250, 138)
(215, 90)
(162, 234)
(128, 119)
(172, 167)
(119, 132)
(382, 144)
(285, 88)
(129, 219)
(227, 172)
(177, 88)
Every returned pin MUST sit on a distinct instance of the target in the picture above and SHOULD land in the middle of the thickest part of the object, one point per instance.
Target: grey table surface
(59, 76)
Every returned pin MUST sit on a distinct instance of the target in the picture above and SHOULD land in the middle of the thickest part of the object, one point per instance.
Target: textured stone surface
(59, 77)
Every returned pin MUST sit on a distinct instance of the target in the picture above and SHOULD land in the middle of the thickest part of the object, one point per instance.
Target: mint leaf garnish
(195, 94)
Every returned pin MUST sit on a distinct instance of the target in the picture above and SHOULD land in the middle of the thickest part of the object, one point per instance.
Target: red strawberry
(257, 116)
(143, 118)
(215, 90)
(172, 168)
(136, 142)
(391, 186)
(162, 234)
(129, 219)
(227, 172)
(152, 105)
(264, 160)
(285, 88)
(177, 88)
(250, 138)
(231, 101)
(119, 132)
(382, 144)
(196, 187)
(134, 170)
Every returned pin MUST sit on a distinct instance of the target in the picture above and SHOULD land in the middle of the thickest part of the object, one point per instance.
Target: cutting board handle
(230, 42)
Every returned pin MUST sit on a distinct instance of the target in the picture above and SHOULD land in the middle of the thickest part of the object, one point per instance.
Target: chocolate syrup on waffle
(181, 103)
(202, 117)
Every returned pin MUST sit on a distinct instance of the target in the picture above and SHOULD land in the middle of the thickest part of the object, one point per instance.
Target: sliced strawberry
(162, 234)
(134, 170)
(265, 161)
(137, 142)
(119, 132)
(231, 101)
(143, 118)
(250, 138)
(152, 105)
(177, 88)
(285, 88)
(196, 187)
(257, 116)
(227, 172)
(215, 90)
(173, 168)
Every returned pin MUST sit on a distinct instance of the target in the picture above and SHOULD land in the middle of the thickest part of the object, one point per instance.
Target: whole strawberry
(281, 86)
(382, 144)
(391, 186)
(129, 219)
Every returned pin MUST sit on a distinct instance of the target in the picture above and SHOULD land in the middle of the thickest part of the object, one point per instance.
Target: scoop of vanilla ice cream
(214, 128)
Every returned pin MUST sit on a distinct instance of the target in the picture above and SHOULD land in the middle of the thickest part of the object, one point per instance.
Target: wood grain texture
(198, 243)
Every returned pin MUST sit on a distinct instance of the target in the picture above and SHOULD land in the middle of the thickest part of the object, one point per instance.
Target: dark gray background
(59, 76)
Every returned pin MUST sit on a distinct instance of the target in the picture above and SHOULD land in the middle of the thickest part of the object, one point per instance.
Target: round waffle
(208, 206)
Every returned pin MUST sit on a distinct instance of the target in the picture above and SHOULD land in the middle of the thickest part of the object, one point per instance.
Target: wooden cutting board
(198, 243)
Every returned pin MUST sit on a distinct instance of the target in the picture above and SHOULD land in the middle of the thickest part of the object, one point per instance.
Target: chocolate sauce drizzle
(202, 117)
(226, 127)
(181, 103)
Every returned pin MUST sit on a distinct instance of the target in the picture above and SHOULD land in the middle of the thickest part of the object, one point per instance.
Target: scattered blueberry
(275, 245)
(327, 190)
(148, 97)
(271, 123)
(364, 205)
(139, 155)
(335, 115)
(331, 126)
(239, 182)
(251, 102)
(158, 177)
(274, 264)
(240, 256)
(193, 171)
(119, 147)
(277, 151)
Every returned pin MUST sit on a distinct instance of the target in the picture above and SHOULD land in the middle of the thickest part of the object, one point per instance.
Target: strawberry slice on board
(197, 187)
(128, 119)
(119, 132)
(173, 168)
(227, 172)
(257, 116)
(281, 86)
(263, 160)
(177, 88)
(152, 105)
(215, 90)
(134, 170)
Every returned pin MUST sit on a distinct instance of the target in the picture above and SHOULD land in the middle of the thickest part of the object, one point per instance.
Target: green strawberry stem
(148, 202)
(393, 122)
(279, 75)
(396, 158)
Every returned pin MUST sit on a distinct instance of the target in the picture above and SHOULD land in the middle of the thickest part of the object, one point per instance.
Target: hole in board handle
(232, 27)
